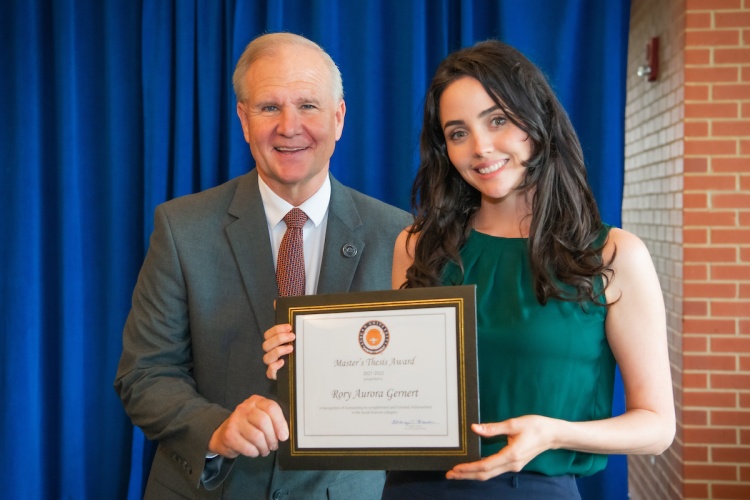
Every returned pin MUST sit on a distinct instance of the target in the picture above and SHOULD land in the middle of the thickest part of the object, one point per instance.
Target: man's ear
(244, 120)
(340, 112)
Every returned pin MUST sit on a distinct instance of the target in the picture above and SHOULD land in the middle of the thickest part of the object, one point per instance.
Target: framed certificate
(380, 380)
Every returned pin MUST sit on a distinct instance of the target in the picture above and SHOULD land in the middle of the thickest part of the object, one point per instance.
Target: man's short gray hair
(267, 45)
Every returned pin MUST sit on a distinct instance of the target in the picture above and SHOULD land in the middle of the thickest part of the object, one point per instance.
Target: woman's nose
(482, 144)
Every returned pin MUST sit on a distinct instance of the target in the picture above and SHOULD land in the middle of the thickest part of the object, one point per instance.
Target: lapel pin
(349, 250)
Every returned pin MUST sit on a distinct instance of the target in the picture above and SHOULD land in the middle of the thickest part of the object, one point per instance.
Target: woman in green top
(502, 201)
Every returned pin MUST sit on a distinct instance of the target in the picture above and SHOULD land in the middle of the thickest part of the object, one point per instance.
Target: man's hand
(277, 344)
(253, 429)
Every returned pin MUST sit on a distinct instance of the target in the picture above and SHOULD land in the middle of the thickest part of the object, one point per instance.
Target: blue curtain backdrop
(109, 108)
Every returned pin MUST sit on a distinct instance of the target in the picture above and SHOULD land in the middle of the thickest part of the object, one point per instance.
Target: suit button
(278, 494)
(349, 250)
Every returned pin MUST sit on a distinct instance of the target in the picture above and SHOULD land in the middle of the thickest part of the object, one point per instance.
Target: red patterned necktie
(290, 266)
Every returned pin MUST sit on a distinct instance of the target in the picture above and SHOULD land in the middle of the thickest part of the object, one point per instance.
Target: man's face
(291, 120)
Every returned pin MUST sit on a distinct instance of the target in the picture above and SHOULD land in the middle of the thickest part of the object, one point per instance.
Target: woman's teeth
(492, 168)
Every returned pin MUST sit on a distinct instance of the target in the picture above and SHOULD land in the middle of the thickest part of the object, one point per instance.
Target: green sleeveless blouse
(551, 360)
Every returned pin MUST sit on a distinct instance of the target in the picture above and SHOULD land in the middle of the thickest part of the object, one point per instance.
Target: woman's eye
(458, 134)
(498, 121)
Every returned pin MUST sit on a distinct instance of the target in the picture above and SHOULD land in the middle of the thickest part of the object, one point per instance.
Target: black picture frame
(460, 299)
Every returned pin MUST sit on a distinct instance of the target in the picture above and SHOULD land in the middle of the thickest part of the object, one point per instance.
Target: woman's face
(486, 148)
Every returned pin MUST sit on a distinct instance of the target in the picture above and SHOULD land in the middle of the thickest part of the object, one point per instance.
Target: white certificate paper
(377, 379)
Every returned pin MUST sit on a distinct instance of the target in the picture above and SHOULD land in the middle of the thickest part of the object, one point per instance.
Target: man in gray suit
(191, 373)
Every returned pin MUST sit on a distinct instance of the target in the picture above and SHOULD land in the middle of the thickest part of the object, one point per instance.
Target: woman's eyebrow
(452, 122)
(488, 111)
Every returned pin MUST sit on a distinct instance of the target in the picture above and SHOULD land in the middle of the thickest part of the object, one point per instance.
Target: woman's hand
(277, 344)
(528, 436)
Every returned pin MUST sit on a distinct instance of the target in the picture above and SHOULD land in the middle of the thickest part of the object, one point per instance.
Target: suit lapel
(248, 237)
(343, 247)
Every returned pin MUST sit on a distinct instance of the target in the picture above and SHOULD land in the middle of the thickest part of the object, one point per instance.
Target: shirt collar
(276, 207)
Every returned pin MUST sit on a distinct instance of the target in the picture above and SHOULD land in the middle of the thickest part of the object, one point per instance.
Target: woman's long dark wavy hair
(565, 221)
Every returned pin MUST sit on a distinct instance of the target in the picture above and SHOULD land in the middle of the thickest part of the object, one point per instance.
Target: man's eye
(269, 108)
(308, 106)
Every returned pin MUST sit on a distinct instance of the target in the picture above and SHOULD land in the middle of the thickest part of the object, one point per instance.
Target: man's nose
(289, 122)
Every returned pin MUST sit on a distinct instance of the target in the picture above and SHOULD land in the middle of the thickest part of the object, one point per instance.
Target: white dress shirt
(313, 232)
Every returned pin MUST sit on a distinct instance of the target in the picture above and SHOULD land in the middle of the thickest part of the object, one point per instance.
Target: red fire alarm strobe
(651, 69)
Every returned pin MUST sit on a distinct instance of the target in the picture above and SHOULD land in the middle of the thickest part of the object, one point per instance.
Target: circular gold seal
(373, 337)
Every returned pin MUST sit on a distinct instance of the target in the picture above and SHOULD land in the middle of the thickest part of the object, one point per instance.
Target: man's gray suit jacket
(192, 342)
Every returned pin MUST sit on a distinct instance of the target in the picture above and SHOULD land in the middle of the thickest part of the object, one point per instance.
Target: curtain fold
(109, 108)
(71, 156)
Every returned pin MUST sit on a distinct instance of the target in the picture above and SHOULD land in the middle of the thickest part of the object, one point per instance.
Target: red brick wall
(717, 249)
(709, 319)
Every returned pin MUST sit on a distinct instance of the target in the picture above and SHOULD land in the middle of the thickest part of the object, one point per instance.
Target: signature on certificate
(414, 421)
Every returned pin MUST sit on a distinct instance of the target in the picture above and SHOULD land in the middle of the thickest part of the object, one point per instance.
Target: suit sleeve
(154, 378)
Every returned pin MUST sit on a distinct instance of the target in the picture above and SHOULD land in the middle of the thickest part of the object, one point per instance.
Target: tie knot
(295, 218)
